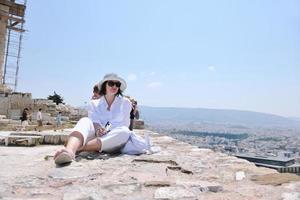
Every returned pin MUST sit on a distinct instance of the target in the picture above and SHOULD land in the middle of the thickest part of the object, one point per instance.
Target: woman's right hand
(100, 132)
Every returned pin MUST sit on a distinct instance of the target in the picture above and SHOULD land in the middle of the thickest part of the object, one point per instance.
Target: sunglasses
(112, 83)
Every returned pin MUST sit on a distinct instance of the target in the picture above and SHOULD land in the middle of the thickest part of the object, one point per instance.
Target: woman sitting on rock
(106, 127)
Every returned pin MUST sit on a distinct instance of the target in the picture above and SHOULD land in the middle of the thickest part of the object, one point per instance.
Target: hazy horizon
(221, 109)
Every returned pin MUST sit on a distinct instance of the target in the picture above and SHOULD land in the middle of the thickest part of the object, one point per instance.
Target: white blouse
(118, 115)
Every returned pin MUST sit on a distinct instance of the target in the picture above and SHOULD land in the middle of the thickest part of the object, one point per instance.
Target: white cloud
(211, 68)
(131, 77)
(152, 73)
(154, 85)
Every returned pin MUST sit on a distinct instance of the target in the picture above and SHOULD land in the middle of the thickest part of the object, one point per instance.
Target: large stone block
(139, 124)
(173, 193)
(4, 122)
(56, 139)
(20, 140)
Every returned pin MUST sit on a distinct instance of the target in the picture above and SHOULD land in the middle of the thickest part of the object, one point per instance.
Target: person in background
(96, 92)
(137, 112)
(29, 115)
(106, 127)
(24, 119)
(134, 114)
(58, 121)
(39, 119)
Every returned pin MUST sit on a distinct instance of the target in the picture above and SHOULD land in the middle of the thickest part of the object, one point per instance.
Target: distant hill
(295, 118)
(219, 116)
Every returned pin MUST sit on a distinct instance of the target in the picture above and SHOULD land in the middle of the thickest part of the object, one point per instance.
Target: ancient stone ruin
(13, 103)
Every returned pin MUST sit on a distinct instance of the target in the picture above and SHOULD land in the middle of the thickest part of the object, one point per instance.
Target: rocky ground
(179, 171)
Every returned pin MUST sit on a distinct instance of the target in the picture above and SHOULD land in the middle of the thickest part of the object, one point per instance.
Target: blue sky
(211, 54)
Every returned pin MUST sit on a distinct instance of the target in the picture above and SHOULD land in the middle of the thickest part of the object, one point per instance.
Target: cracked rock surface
(179, 171)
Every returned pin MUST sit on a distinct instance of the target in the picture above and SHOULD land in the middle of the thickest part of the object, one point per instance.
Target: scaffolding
(13, 39)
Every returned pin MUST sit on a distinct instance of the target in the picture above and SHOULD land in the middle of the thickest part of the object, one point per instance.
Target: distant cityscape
(267, 143)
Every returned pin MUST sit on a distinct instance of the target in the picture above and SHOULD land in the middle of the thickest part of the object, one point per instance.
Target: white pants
(111, 142)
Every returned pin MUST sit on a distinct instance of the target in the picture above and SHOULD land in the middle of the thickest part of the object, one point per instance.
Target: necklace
(109, 104)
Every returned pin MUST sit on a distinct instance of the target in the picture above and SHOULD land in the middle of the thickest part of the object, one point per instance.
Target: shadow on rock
(95, 155)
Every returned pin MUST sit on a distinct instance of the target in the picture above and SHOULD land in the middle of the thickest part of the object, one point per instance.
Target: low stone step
(18, 140)
(56, 139)
(36, 138)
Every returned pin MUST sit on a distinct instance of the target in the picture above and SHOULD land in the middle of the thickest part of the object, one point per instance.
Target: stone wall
(20, 100)
(12, 104)
(4, 102)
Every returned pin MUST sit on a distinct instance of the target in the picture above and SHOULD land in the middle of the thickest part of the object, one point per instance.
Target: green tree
(56, 98)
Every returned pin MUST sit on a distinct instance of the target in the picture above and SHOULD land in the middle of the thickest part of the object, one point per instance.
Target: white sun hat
(113, 77)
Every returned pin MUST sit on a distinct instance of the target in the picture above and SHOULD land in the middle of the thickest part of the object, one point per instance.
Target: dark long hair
(96, 89)
(103, 90)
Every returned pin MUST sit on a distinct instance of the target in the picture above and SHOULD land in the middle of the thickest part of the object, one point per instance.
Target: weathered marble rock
(81, 193)
(174, 193)
(179, 171)
(291, 196)
(275, 179)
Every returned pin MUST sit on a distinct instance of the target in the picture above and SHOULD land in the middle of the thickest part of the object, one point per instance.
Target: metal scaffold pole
(19, 50)
(12, 15)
